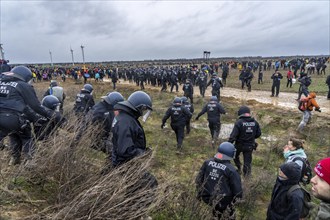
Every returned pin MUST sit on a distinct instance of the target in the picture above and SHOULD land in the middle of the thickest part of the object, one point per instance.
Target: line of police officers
(18, 101)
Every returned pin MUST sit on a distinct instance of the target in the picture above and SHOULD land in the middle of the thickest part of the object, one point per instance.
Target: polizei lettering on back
(217, 165)
(249, 123)
(12, 84)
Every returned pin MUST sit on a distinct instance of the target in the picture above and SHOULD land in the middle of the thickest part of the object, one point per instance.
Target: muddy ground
(285, 100)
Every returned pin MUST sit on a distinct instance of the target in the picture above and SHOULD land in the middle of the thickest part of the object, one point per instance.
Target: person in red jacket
(307, 114)
(289, 76)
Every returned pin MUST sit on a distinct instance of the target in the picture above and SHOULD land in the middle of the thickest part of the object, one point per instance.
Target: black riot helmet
(213, 99)
(226, 151)
(244, 111)
(113, 98)
(184, 99)
(21, 72)
(50, 102)
(177, 101)
(88, 87)
(139, 102)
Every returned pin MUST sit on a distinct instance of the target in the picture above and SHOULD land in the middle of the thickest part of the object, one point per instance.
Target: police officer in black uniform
(128, 135)
(202, 82)
(44, 127)
(244, 133)
(190, 108)
(17, 97)
(216, 85)
(218, 183)
(174, 81)
(214, 109)
(102, 114)
(179, 115)
(188, 90)
(84, 100)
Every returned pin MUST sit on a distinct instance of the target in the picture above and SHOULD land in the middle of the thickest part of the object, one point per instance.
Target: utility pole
(72, 56)
(51, 58)
(83, 55)
(2, 52)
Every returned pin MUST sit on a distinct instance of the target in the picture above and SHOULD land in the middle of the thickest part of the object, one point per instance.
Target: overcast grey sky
(138, 30)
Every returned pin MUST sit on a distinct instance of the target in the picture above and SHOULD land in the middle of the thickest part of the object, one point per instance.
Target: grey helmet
(226, 151)
(138, 101)
(50, 102)
(20, 72)
(88, 88)
(113, 98)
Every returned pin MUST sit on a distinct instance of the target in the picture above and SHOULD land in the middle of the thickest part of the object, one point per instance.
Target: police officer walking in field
(188, 90)
(84, 100)
(128, 139)
(190, 108)
(214, 109)
(17, 98)
(202, 82)
(43, 128)
(179, 115)
(246, 130)
(216, 85)
(219, 184)
(102, 114)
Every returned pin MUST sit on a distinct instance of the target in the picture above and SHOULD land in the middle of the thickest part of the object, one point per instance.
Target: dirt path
(285, 100)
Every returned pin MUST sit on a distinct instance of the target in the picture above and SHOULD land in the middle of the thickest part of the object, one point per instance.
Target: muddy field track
(285, 100)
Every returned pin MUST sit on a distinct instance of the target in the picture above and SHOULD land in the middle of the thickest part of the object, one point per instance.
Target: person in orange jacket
(307, 114)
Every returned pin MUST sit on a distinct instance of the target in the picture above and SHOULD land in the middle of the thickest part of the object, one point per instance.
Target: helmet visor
(146, 114)
(57, 108)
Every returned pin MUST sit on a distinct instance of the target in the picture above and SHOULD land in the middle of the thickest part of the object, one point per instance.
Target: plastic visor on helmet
(141, 101)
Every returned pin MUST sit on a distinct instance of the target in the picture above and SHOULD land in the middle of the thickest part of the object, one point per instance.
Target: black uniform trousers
(179, 132)
(277, 88)
(214, 128)
(202, 89)
(216, 93)
(247, 159)
(22, 141)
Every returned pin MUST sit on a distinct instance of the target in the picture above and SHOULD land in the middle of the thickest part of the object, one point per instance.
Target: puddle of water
(226, 130)
(269, 138)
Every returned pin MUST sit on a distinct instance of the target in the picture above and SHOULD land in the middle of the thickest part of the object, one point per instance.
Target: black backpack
(307, 206)
(306, 171)
(308, 81)
(216, 84)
